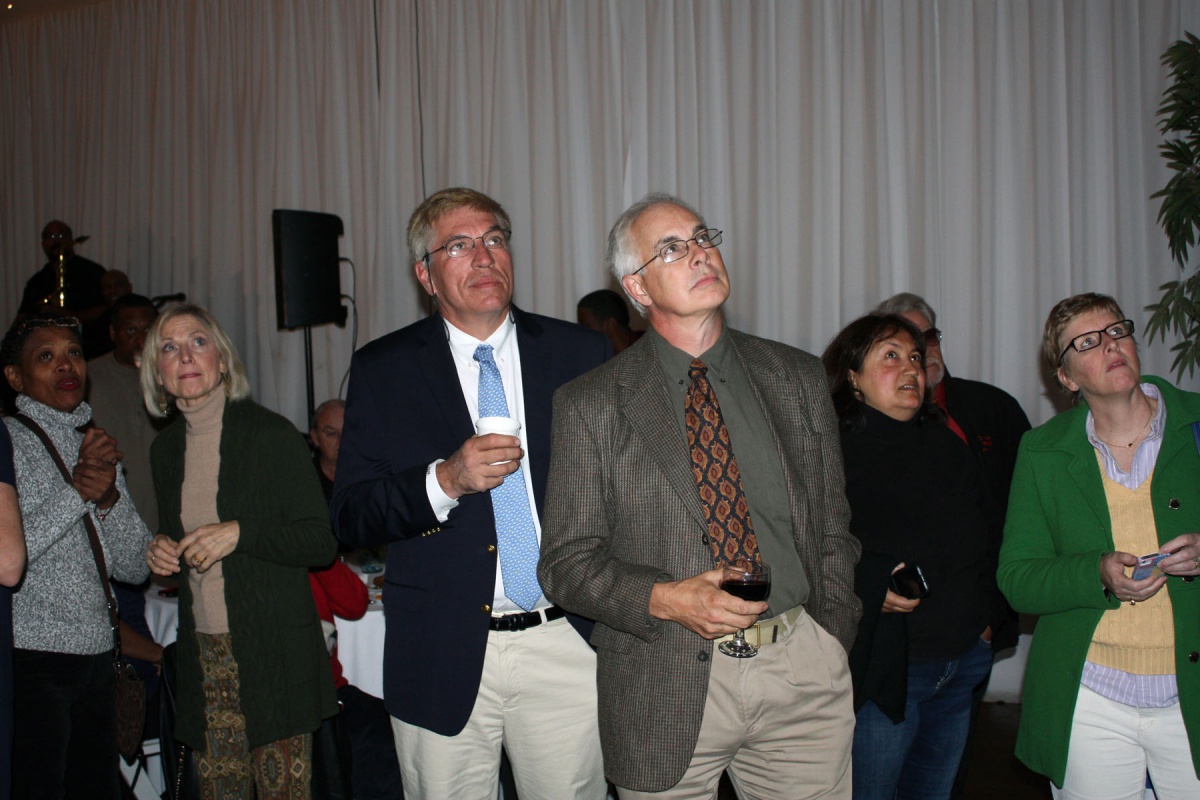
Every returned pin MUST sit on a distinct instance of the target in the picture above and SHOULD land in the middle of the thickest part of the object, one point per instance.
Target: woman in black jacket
(917, 501)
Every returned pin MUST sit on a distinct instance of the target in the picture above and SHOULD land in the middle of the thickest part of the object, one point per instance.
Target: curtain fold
(992, 155)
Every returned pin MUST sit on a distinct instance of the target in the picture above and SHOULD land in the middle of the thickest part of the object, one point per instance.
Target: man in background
(115, 395)
(114, 284)
(81, 297)
(325, 434)
(339, 592)
(604, 310)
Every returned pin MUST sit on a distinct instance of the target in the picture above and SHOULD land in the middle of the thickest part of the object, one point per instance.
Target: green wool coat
(267, 484)
(1056, 531)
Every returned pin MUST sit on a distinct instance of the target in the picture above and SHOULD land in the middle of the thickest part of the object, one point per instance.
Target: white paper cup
(505, 425)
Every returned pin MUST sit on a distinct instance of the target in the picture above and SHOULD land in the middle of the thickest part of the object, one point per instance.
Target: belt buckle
(757, 628)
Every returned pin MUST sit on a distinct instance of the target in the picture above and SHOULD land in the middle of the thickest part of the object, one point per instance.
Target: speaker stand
(308, 371)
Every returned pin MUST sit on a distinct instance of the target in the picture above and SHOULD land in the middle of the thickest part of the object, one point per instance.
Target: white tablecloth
(360, 642)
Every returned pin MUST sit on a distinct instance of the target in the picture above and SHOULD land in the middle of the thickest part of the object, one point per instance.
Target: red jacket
(337, 590)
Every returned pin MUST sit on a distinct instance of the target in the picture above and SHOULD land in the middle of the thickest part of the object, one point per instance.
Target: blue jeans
(917, 759)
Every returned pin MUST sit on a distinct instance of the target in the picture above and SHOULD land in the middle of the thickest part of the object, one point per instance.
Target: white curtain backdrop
(993, 156)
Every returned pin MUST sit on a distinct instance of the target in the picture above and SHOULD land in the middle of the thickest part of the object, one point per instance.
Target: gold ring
(197, 561)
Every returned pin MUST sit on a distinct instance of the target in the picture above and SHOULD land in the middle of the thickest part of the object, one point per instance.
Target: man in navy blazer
(466, 668)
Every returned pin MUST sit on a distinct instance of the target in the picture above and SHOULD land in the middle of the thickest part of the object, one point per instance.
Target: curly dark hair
(847, 352)
(13, 345)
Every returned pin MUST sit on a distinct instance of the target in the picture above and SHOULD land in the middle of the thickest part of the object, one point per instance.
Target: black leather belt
(519, 622)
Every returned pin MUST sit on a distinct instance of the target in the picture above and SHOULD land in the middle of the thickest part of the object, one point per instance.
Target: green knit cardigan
(267, 484)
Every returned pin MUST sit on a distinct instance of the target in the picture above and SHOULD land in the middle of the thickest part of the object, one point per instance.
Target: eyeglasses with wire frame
(673, 251)
(463, 246)
(1092, 339)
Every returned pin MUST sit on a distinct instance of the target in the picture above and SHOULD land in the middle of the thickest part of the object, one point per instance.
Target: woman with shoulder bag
(63, 662)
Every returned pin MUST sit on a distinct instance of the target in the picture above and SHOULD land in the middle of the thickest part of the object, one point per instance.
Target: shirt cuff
(441, 503)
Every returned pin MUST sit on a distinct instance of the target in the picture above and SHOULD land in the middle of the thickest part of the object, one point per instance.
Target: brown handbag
(131, 691)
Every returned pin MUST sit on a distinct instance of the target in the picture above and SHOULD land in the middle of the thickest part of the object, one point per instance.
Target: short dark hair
(606, 304)
(847, 352)
(12, 348)
(132, 301)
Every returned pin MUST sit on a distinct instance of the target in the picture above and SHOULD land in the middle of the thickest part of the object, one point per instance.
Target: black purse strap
(93, 534)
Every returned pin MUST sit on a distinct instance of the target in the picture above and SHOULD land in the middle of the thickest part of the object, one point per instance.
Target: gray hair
(900, 304)
(437, 205)
(622, 256)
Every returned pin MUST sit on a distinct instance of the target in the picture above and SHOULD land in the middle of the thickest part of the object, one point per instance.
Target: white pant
(537, 698)
(1113, 746)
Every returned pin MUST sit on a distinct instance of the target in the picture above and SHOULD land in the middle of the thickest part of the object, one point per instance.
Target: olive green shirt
(753, 446)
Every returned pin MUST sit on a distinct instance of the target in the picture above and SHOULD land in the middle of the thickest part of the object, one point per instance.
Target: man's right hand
(473, 466)
(699, 605)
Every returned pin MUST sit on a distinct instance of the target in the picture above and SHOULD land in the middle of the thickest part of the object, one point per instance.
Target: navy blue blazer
(405, 409)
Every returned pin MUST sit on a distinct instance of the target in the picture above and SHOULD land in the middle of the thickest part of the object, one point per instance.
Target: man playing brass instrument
(79, 293)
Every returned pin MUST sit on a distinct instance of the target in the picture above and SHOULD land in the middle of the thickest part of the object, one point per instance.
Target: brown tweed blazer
(622, 512)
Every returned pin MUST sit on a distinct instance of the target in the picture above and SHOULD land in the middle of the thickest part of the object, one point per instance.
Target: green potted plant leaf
(1178, 310)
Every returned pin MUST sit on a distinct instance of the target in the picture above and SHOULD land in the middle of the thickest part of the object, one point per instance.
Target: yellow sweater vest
(1139, 639)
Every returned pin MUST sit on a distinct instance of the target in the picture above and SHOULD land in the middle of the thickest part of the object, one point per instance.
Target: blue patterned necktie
(515, 533)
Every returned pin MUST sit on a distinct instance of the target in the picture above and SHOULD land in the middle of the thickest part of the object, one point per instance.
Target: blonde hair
(1062, 315)
(158, 402)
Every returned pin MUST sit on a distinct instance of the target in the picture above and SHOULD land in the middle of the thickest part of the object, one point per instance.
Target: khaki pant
(537, 698)
(781, 722)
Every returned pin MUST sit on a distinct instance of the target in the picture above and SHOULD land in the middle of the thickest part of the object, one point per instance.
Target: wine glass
(749, 580)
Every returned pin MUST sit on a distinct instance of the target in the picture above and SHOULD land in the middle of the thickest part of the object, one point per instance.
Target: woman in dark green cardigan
(241, 519)
(1112, 688)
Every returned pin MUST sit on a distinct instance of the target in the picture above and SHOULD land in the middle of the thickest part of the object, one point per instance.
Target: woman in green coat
(241, 519)
(1112, 688)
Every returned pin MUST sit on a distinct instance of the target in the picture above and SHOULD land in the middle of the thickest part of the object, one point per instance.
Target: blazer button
(1189, 579)
(1173, 504)
(702, 656)
(491, 548)
(485, 608)
(1193, 656)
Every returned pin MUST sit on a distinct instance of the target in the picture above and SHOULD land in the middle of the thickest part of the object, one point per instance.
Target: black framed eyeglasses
(933, 337)
(673, 251)
(463, 246)
(1092, 339)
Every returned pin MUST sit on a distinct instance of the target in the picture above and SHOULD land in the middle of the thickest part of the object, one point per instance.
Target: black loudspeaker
(308, 288)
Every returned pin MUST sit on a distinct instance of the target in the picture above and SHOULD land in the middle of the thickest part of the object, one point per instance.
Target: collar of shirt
(675, 363)
(463, 344)
(1146, 453)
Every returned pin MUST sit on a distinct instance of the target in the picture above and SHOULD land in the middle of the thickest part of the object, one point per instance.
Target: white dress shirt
(508, 360)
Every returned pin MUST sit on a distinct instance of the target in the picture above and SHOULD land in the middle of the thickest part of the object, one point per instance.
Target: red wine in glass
(754, 588)
(749, 580)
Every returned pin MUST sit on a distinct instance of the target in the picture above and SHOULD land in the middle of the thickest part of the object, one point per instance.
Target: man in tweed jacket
(625, 540)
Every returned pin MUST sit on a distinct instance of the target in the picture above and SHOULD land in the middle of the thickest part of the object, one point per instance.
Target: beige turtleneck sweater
(198, 505)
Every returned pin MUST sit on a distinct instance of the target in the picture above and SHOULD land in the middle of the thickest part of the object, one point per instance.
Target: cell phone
(910, 582)
(1147, 566)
